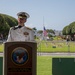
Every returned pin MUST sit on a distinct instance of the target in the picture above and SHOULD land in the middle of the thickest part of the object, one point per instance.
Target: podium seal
(19, 56)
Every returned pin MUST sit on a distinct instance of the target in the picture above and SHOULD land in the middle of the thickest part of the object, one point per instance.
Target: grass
(56, 46)
(52, 46)
(44, 65)
(1, 47)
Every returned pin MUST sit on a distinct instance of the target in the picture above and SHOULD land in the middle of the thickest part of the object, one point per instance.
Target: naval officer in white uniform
(21, 32)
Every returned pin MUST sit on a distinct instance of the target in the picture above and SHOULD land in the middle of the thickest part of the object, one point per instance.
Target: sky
(53, 14)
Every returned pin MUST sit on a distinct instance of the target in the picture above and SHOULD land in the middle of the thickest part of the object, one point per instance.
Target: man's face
(22, 20)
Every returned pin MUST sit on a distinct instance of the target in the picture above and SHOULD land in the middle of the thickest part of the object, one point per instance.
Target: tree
(73, 28)
(40, 31)
(69, 30)
(6, 22)
(34, 28)
(66, 30)
(35, 32)
(50, 31)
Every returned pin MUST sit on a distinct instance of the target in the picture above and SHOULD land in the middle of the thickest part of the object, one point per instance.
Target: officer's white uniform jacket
(20, 34)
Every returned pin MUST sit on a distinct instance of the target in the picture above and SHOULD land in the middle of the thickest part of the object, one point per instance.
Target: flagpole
(43, 27)
(44, 32)
(43, 21)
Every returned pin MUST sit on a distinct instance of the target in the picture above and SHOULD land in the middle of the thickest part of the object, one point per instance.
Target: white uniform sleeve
(9, 36)
(32, 36)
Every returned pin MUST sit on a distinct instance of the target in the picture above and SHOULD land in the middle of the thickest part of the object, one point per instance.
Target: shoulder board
(14, 28)
(29, 28)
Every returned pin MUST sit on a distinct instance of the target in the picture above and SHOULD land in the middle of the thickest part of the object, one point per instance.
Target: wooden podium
(20, 58)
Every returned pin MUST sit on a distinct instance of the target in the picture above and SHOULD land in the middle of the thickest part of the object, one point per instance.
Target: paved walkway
(51, 54)
(1, 54)
(56, 54)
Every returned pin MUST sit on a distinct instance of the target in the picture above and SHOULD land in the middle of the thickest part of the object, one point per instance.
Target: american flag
(44, 31)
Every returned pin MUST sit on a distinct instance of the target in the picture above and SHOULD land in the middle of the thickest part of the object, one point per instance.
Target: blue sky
(54, 14)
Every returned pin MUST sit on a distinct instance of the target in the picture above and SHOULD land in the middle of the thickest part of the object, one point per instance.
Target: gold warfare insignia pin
(26, 33)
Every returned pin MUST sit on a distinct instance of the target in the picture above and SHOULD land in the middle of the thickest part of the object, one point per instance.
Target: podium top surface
(21, 42)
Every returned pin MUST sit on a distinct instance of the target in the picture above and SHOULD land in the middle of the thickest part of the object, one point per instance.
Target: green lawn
(44, 65)
(52, 46)
(1, 47)
(45, 46)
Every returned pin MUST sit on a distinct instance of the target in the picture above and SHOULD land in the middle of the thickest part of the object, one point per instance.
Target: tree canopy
(6, 22)
(69, 29)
